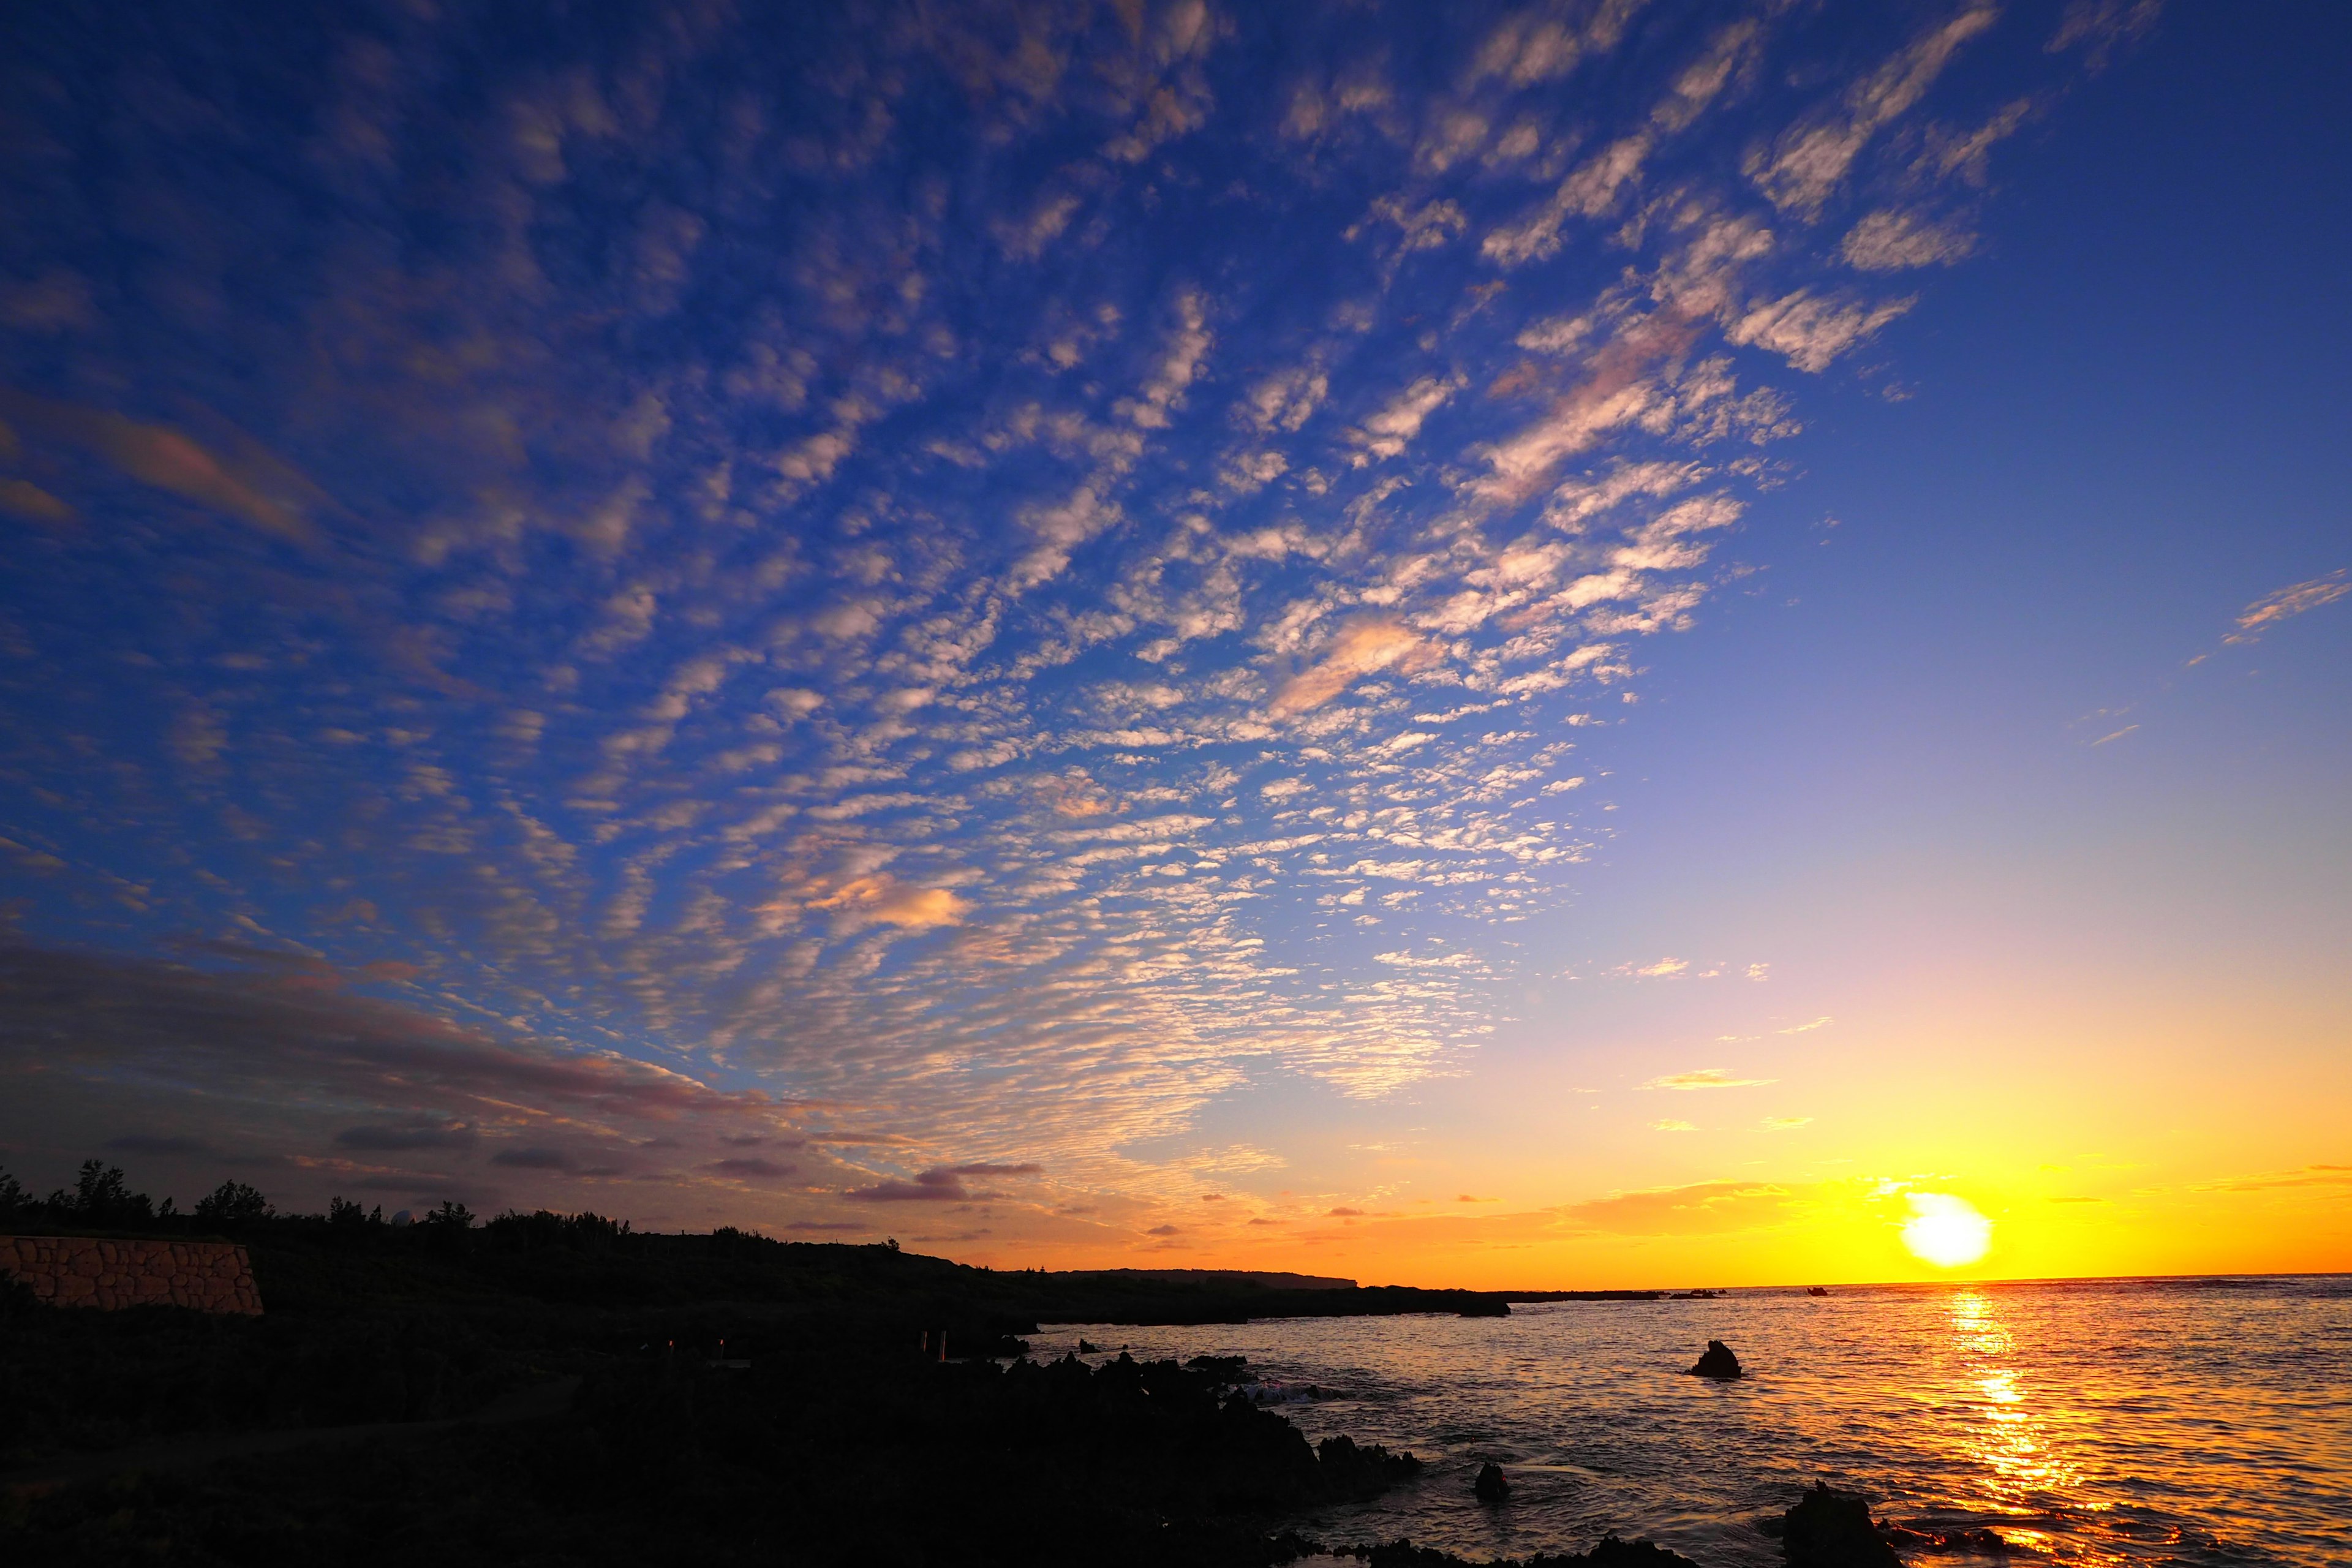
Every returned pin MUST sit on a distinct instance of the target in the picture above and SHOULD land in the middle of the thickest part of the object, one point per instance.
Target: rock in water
(1718, 1361)
(1832, 1529)
(1490, 1485)
(1614, 1553)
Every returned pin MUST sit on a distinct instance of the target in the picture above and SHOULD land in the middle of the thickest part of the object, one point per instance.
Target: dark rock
(1980, 1543)
(1491, 1485)
(1348, 1469)
(1614, 1553)
(1832, 1529)
(1088, 1347)
(1611, 1553)
(1718, 1361)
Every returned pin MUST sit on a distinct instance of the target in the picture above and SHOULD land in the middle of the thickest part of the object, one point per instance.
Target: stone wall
(94, 1271)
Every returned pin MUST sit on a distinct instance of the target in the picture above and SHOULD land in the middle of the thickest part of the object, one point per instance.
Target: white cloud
(1810, 331)
(1387, 433)
(1811, 160)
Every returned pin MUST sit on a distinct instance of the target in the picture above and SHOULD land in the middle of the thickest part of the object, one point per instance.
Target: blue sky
(1083, 632)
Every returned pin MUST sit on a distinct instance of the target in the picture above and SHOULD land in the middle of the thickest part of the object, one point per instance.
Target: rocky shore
(721, 1399)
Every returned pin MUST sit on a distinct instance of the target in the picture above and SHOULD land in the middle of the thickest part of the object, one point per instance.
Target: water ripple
(2111, 1423)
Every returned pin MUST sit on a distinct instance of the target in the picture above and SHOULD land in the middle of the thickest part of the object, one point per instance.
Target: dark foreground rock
(1832, 1529)
(1717, 1363)
(817, 1460)
(1491, 1486)
(1611, 1553)
(1975, 1543)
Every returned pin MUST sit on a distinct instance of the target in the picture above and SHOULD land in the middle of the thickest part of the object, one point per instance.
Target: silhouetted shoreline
(563, 1389)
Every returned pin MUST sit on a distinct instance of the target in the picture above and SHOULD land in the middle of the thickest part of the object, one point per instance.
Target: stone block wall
(95, 1271)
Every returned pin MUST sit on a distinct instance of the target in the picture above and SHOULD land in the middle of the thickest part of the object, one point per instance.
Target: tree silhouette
(233, 1204)
(103, 1197)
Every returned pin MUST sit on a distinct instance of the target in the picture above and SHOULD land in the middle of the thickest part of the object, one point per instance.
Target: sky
(1626, 643)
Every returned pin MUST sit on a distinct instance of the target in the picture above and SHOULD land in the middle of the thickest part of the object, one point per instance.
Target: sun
(1946, 1230)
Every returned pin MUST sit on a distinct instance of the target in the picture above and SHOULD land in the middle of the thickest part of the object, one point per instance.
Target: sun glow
(1946, 1230)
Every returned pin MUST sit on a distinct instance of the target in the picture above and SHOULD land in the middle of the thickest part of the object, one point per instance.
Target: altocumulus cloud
(777, 573)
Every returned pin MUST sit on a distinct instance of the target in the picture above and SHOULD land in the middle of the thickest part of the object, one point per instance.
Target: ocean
(2124, 1422)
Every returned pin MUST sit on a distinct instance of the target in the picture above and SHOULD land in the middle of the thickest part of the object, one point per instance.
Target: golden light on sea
(1946, 1230)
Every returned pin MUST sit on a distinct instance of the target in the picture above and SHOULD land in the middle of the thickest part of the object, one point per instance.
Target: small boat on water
(1816, 1290)
(1697, 1295)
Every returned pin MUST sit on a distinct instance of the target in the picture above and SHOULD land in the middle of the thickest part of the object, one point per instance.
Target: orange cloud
(1360, 650)
(161, 457)
(1701, 1208)
(21, 498)
(2273, 608)
(883, 900)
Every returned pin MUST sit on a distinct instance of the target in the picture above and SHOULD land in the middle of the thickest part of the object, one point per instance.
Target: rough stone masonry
(96, 1271)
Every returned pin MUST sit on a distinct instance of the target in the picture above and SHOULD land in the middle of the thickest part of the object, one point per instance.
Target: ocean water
(2124, 1422)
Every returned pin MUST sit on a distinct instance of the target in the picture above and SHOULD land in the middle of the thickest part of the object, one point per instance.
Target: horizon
(1618, 640)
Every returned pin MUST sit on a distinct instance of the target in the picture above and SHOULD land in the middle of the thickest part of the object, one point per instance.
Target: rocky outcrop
(1717, 1363)
(109, 1275)
(1975, 1543)
(1491, 1486)
(1832, 1529)
(1611, 1553)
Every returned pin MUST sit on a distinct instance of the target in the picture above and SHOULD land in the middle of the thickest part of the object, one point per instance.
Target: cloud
(741, 1169)
(1705, 1078)
(57, 301)
(1590, 192)
(532, 1159)
(1388, 432)
(1058, 530)
(1362, 648)
(942, 1184)
(2306, 1177)
(1785, 1123)
(2101, 27)
(396, 1137)
(24, 499)
(1670, 1124)
(164, 459)
(1029, 238)
(285, 1031)
(1890, 241)
(1536, 46)
(1810, 331)
(1811, 160)
(883, 900)
(791, 580)
(154, 1143)
(2287, 603)
(1702, 1209)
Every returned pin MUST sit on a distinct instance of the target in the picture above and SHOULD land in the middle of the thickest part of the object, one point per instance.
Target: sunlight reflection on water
(2106, 1423)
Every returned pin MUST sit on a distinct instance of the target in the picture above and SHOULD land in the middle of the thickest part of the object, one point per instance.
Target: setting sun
(1946, 1231)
